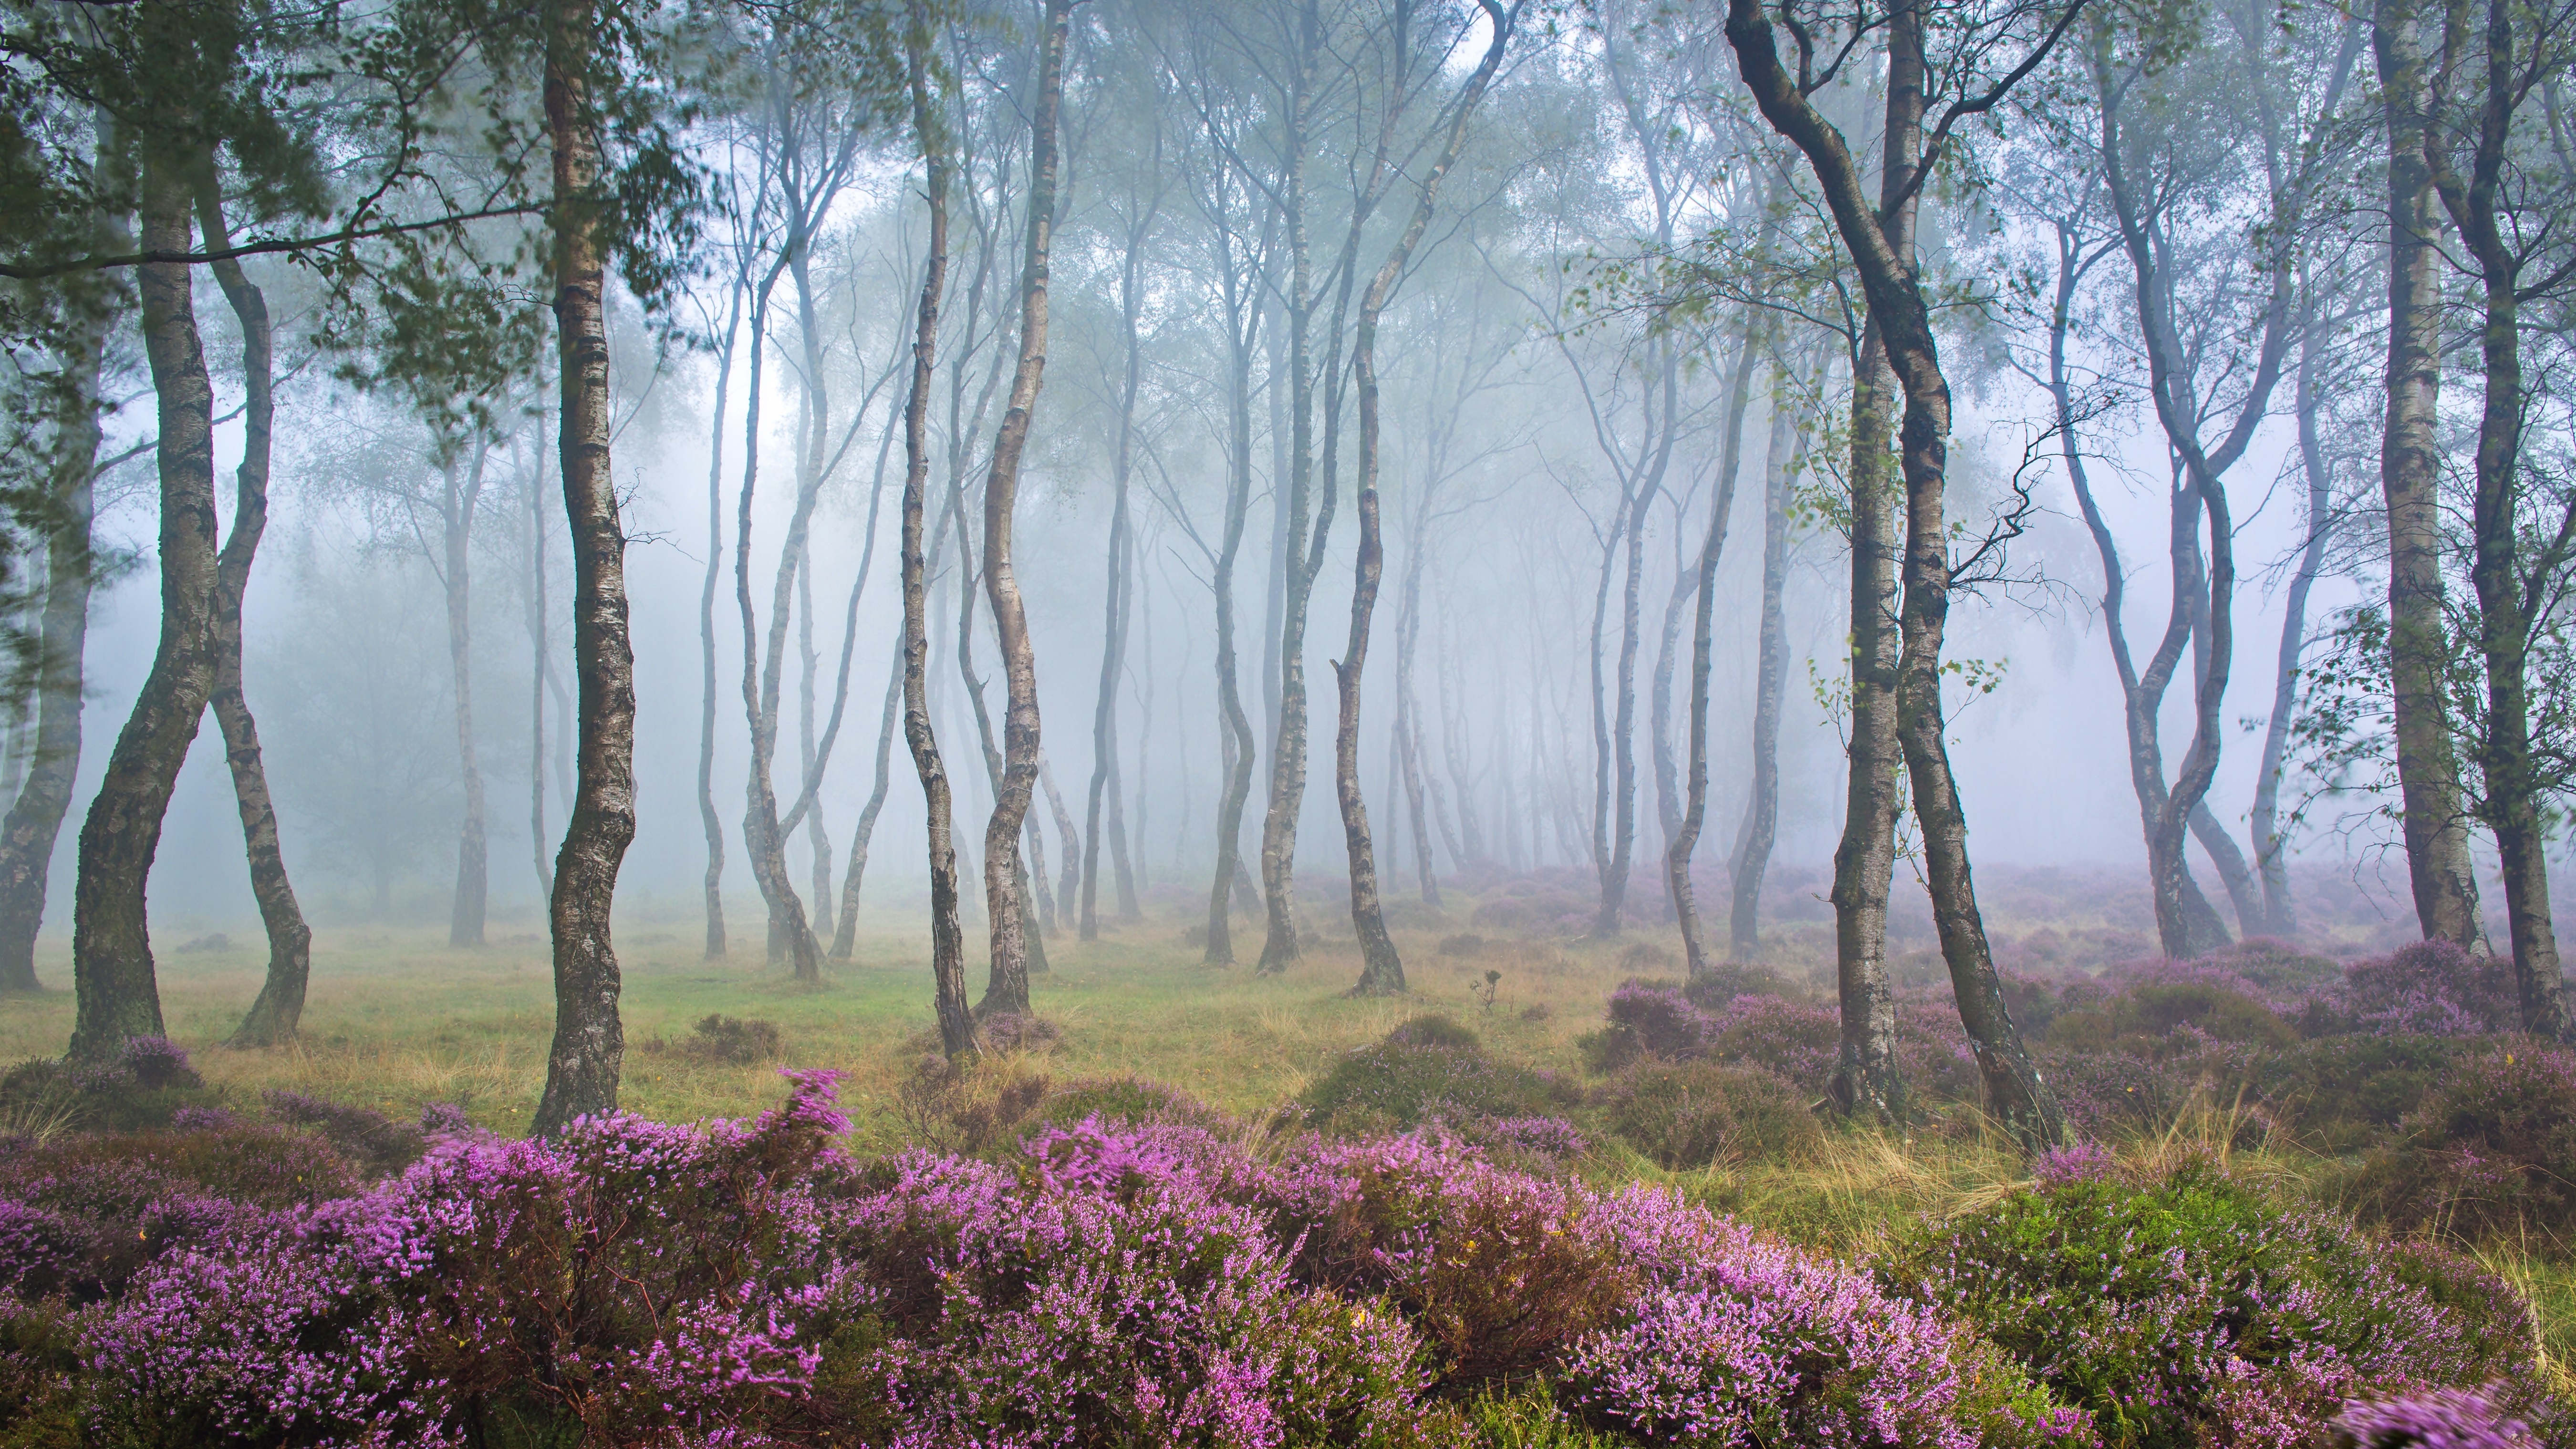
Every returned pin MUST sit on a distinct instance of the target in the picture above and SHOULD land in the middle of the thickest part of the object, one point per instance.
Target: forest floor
(396, 1020)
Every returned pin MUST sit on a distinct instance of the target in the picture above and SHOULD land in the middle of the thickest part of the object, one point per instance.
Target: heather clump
(143, 1089)
(2439, 1419)
(628, 1282)
(2490, 1152)
(1108, 1299)
(2194, 1309)
(2433, 988)
(1429, 1069)
(1693, 1114)
(368, 1137)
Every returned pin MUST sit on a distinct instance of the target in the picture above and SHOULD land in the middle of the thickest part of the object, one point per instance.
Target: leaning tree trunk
(1008, 988)
(1622, 812)
(1761, 825)
(117, 996)
(1684, 838)
(1069, 885)
(589, 1044)
(280, 1005)
(465, 918)
(2435, 821)
(35, 818)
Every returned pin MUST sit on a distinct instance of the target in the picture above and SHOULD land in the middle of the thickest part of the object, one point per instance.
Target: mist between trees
(1021, 466)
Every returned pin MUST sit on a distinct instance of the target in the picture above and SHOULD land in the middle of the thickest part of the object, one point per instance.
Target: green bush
(1123, 1098)
(2196, 1305)
(1430, 1069)
(2137, 1019)
(1692, 1114)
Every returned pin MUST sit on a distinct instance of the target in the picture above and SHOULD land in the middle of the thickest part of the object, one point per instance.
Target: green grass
(395, 1018)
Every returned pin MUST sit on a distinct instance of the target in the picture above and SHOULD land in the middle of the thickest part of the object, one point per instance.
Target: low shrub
(376, 1142)
(2490, 1153)
(1713, 987)
(730, 1041)
(140, 1091)
(1430, 1069)
(2342, 1093)
(1126, 1098)
(2433, 988)
(1692, 1114)
(2193, 1309)
(2440, 1419)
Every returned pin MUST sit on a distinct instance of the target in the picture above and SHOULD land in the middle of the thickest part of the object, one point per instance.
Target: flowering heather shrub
(1712, 988)
(1691, 1114)
(2491, 1152)
(1430, 1070)
(2433, 988)
(2195, 1310)
(1648, 1019)
(1551, 1138)
(2440, 1419)
(1124, 1098)
(1114, 1301)
(1796, 1042)
(631, 1280)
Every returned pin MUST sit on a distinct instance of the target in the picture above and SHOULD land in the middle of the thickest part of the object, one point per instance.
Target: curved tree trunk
(2271, 854)
(280, 1005)
(537, 669)
(583, 1064)
(117, 994)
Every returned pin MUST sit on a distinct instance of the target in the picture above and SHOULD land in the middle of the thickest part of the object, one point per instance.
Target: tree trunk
(1234, 725)
(2512, 805)
(1279, 948)
(2435, 820)
(2271, 853)
(1381, 969)
(589, 1042)
(1881, 244)
(1113, 633)
(763, 664)
(1606, 924)
(117, 995)
(1008, 989)
(538, 668)
(818, 840)
(845, 931)
(1865, 1082)
(947, 940)
(35, 818)
(456, 517)
(1694, 812)
(1069, 886)
(1761, 825)
(708, 818)
(273, 1015)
